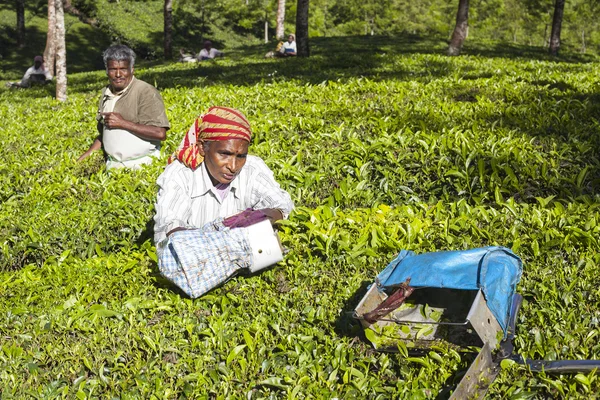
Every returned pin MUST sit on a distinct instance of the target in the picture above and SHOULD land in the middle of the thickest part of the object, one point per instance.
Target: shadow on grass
(571, 124)
(346, 324)
(332, 59)
(338, 59)
(512, 51)
(84, 48)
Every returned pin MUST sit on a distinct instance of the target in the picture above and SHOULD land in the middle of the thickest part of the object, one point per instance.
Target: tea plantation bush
(383, 149)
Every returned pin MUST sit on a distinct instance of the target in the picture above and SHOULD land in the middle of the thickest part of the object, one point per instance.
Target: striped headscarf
(219, 123)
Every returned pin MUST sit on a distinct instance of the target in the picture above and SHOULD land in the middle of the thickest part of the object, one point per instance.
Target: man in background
(208, 52)
(132, 121)
(284, 49)
(37, 74)
(288, 49)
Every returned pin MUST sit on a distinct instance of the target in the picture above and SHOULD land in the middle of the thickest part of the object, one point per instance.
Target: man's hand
(114, 120)
(95, 146)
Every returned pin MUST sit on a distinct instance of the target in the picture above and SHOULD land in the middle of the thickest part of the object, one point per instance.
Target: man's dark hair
(119, 52)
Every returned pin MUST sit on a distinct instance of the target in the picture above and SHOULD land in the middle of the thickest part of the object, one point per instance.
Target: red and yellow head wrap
(219, 123)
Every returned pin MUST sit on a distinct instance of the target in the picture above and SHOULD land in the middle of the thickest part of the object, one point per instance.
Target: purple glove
(245, 218)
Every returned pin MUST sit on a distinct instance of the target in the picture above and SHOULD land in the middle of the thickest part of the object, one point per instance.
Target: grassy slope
(138, 24)
(384, 144)
(84, 44)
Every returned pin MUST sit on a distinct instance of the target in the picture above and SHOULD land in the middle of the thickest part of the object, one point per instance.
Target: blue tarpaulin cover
(494, 270)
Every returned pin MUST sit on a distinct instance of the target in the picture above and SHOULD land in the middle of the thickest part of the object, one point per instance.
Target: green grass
(137, 24)
(389, 146)
(84, 44)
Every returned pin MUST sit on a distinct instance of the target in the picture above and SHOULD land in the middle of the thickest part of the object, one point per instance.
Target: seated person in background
(37, 74)
(131, 116)
(288, 48)
(210, 177)
(208, 52)
(186, 57)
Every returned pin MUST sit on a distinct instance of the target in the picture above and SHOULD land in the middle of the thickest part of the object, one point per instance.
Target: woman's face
(224, 159)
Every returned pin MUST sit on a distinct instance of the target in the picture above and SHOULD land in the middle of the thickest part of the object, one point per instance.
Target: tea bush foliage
(382, 149)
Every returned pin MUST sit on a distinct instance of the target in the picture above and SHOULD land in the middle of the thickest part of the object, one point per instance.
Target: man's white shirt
(36, 71)
(289, 47)
(212, 53)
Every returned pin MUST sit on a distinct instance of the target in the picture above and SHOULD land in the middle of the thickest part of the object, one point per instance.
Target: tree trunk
(61, 52)
(203, 30)
(280, 29)
(20, 23)
(168, 14)
(302, 28)
(583, 48)
(266, 31)
(559, 8)
(50, 51)
(460, 30)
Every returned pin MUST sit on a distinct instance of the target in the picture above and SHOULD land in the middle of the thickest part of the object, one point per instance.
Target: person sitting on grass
(132, 121)
(35, 75)
(211, 186)
(288, 49)
(284, 49)
(208, 52)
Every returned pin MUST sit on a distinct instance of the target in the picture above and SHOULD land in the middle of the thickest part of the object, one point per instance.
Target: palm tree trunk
(302, 28)
(461, 29)
(20, 23)
(168, 29)
(280, 30)
(559, 8)
(61, 53)
(50, 51)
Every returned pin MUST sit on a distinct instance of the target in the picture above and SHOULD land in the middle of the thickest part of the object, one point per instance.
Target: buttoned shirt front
(188, 198)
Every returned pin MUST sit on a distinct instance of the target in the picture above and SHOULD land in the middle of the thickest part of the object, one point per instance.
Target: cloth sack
(199, 260)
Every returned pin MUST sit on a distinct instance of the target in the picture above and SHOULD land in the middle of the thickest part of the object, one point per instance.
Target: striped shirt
(188, 198)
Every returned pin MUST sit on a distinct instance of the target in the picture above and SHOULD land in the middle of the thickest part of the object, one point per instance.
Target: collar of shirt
(109, 94)
(203, 185)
